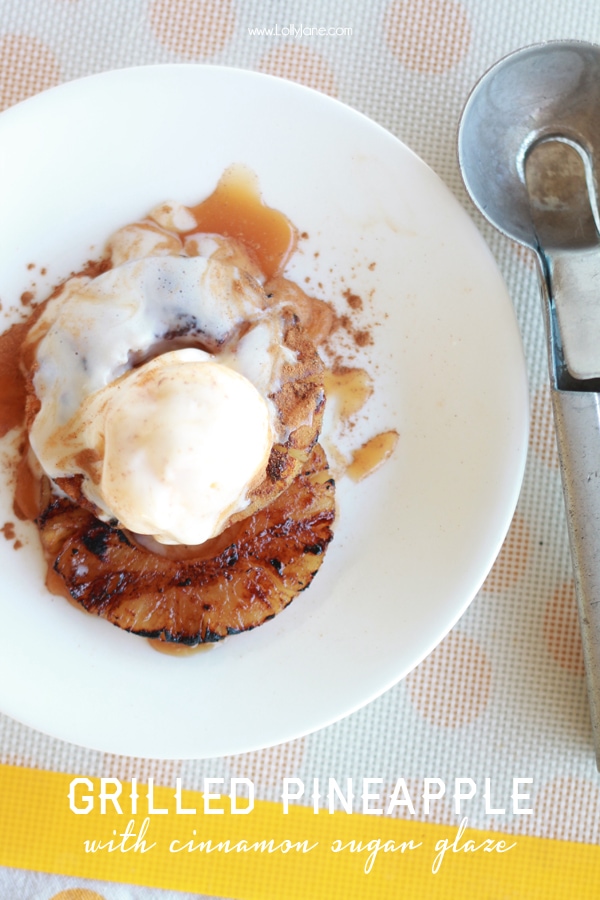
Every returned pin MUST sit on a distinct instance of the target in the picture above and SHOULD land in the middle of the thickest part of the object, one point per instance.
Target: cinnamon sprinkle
(8, 530)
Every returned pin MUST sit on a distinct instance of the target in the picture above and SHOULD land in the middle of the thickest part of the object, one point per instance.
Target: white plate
(414, 541)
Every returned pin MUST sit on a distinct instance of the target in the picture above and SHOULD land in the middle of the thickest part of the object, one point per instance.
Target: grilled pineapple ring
(237, 581)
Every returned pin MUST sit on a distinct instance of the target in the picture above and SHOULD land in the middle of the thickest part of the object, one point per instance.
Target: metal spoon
(529, 152)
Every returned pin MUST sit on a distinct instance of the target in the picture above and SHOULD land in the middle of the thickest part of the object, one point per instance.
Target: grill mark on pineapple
(315, 549)
(96, 540)
(277, 464)
(202, 599)
(231, 555)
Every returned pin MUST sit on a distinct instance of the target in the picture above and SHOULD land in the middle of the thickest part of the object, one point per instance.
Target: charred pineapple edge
(273, 555)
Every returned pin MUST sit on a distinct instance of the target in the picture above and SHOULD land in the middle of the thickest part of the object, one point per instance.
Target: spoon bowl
(550, 90)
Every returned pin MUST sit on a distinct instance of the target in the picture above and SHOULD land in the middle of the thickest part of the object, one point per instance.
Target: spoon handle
(574, 277)
(577, 422)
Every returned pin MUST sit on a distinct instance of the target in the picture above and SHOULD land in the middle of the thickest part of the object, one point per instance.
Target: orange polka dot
(452, 686)
(298, 63)
(267, 768)
(78, 894)
(27, 66)
(542, 437)
(430, 36)
(561, 629)
(193, 28)
(512, 560)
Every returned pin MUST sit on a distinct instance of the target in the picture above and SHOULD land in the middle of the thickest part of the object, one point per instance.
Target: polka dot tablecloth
(504, 694)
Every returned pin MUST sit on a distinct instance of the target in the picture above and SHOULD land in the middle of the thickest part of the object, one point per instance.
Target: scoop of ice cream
(175, 447)
(184, 437)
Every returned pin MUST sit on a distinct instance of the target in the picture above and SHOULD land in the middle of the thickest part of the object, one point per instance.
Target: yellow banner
(226, 846)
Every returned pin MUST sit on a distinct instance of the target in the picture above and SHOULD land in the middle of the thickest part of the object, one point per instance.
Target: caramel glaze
(350, 387)
(169, 648)
(32, 490)
(12, 383)
(13, 391)
(235, 209)
(372, 454)
(56, 585)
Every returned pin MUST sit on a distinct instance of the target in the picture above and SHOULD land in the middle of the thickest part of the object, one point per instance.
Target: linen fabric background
(504, 694)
